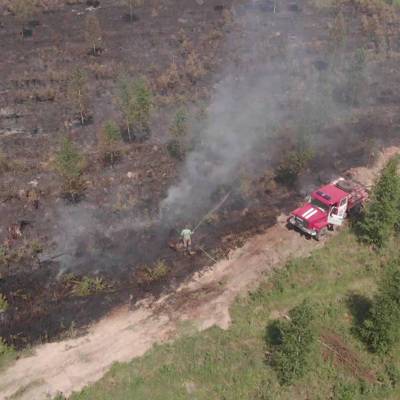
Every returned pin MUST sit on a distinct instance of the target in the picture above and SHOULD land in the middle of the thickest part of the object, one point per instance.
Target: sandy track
(204, 300)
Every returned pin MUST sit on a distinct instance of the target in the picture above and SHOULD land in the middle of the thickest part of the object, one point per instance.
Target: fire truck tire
(321, 234)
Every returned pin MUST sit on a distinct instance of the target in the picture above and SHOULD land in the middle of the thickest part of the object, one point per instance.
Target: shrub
(179, 128)
(292, 165)
(294, 341)
(78, 93)
(88, 286)
(381, 328)
(70, 164)
(147, 275)
(382, 215)
(110, 143)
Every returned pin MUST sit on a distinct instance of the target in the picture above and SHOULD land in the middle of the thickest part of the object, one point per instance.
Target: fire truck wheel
(320, 234)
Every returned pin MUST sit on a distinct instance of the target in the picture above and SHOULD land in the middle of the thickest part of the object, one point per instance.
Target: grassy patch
(235, 364)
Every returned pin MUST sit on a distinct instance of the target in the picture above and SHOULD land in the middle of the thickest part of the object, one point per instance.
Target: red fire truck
(327, 207)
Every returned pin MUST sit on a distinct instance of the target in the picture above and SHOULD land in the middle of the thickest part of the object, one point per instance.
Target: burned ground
(117, 229)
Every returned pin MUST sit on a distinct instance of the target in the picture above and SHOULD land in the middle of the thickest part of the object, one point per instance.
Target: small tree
(70, 164)
(132, 4)
(135, 101)
(295, 339)
(178, 131)
(78, 93)
(110, 142)
(23, 10)
(382, 215)
(93, 33)
(381, 328)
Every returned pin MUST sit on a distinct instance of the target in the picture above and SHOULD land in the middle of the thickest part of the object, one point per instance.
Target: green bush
(382, 215)
(294, 340)
(381, 328)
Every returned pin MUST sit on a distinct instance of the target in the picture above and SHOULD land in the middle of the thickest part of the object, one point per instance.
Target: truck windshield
(319, 205)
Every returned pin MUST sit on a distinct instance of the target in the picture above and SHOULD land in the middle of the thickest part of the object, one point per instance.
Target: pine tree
(382, 215)
(296, 339)
(69, 165)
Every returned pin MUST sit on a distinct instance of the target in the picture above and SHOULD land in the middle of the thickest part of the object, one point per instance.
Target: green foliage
(70, 164)
(88, 286)
(295, 341)
(382, 214)
(78, 93)
(147, 275)
(381, 328)
(110, 142)
(135, 101)
(3, 303)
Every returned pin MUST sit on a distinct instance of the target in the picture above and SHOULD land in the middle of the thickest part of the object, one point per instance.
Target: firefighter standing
(186, 236)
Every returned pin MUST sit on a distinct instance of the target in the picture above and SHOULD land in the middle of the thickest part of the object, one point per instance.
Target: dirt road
(204, 300)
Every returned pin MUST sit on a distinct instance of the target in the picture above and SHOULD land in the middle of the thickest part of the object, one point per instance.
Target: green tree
(78, 93)
(135, 101)
(110, 142)
(93, 33)
(70, 164)
(295, 339)
(382, 215)
(381, 328)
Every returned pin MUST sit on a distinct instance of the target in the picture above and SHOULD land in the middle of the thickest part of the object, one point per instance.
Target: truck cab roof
(329, 194)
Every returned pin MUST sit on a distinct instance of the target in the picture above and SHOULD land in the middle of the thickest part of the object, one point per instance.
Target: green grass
(232, 364)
